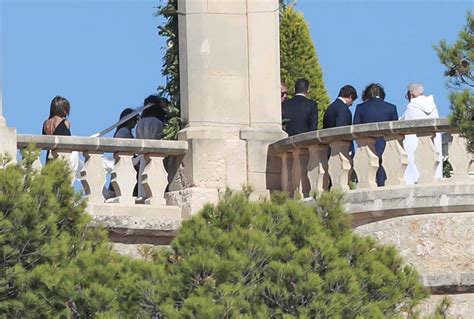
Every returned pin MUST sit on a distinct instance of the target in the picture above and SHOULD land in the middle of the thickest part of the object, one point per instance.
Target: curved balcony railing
(154, 176)
(315, 161)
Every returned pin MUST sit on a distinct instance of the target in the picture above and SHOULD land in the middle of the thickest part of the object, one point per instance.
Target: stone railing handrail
(352, 132)
(83, 144)
(318, 160)
(140, 171)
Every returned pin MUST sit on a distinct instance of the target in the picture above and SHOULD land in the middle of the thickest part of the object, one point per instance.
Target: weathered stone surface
(440, 246)
(103, 144)
(352, 132)
(140, 226)
(192, 199)
(8, 141)
(387, 202)
(462, 306)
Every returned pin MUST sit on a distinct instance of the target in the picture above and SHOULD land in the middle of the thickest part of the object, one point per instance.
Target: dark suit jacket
(301, 114)
(337, 114)
(376, 110)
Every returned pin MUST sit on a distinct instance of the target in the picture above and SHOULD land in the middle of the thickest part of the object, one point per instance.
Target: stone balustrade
(123, 213)
(310, 160)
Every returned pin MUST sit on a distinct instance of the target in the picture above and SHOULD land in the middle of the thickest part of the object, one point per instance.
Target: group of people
(300, 114)
(149, 125)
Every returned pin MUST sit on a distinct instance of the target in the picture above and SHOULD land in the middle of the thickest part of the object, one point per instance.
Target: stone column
(7, 134)
(230, 97)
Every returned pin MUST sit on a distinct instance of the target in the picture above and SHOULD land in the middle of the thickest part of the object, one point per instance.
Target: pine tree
(298, 58)
(458, 59)
(282, 259)
(52, 263)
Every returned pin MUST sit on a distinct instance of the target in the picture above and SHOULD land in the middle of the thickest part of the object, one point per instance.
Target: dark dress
(61, 129)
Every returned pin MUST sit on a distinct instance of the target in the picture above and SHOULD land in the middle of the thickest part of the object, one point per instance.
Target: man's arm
(313, 118)
(395, 114)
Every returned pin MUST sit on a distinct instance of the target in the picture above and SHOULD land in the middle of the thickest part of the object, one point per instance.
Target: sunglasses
(284, 94)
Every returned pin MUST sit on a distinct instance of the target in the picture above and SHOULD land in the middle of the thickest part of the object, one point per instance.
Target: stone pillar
(230, 97)
(7, 135)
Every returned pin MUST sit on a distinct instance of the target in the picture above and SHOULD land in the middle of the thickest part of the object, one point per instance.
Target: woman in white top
(419, 107)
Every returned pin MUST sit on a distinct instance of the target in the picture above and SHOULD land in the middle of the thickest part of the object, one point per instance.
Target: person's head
(372, 91)
(159, 106)
(414, 90)
(131, 122)
(59, 107)
(152, 99)
(284, 92)
(301, 86)
(348, 93)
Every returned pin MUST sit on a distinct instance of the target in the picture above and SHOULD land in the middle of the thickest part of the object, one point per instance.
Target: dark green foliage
(298, 58)
(283, 260)
(52, 263)
(279, 259)
(458, 59)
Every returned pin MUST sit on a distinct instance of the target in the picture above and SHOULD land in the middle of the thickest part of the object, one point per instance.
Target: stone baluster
(123, 178)
(394, 160)
(36, 165)
(66, 156)
(318, 167)
(366, 163)
(93, 176)
(296, 172)
(154, 179)
(426, 158)
(460, 159)
(340, 164)
(286, 185)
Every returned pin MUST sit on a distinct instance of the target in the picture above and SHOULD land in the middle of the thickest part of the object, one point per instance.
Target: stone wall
(441, 247)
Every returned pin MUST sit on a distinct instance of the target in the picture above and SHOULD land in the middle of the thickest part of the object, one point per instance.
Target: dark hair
(348, 91)
(158, 108)
(301, 86)
(373, 90)
(59, 107)
(131, 121)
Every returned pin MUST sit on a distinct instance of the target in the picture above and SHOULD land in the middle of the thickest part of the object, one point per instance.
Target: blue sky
(106, 55)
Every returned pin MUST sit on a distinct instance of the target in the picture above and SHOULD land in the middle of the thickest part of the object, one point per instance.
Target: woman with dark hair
(57, 123)
(124, 130)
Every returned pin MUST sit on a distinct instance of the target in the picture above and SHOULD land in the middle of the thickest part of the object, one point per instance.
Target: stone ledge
(369, 205)
(138, 211)
(137, 226)
(352, 132)
(103, 144)
(449, 283)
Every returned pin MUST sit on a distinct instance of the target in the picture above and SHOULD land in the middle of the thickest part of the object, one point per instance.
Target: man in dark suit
(300, 114)
(375, 109)
(338, 114)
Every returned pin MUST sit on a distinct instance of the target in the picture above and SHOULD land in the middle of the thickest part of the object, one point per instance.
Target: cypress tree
(298, 57)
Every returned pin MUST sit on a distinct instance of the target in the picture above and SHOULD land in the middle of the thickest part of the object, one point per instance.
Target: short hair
(59, 107)
(415, 89)
(372, 91)
(301, 86)
(348, 91)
